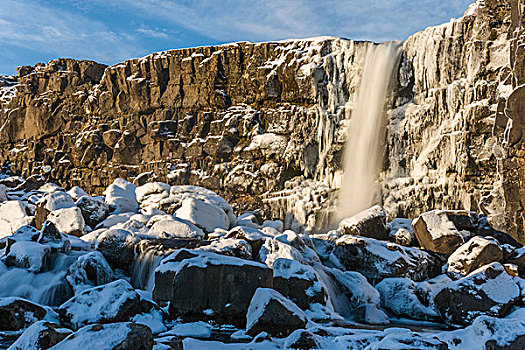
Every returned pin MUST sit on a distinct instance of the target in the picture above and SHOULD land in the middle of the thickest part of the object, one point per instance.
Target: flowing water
(143, 269)
(363, 155)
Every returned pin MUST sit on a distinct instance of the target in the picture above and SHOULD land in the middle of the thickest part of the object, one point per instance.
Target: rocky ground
(170, 267)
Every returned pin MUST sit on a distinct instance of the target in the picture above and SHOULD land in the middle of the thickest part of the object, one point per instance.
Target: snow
(120, 195)
(229, 246)
(262, 298)
(269, 144)
(205, 215)
(100, 337)
(12, 217)
(274, 249)
(114, 219)
(276, 224)
(356, 287)
(76, 192)
(158, 189)
(194, 344)
(463, 259)
(77, 275)
(175, 228)
(194, 329)
(153, 320)
(57, 200)
(30, 254)
(286, 268)
(30, 339)
(68, 220)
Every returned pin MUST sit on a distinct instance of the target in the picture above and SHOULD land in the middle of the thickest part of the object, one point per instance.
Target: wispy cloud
(152, 33)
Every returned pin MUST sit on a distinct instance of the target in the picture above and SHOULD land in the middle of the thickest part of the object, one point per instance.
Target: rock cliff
(264, 123)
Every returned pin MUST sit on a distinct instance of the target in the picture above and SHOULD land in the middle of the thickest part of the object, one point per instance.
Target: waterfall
(363, 155)
(143, 269)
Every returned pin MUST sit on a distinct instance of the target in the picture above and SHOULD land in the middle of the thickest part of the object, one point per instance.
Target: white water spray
(363, 156)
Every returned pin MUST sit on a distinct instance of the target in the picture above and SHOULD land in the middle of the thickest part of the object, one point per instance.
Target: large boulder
(94, 210)
(205, 215)
(443, 231)
(230, 246)
(52, 237)
(89, 270)
(120, 196)
(207, 286)
(368, 223)
(151, 194)
(118, 247)
(54, 200)
(32, 256)
(271, 312)
(13, 215)
(377, 259)
(114, 336)
(401, 232)
(40, 335)
(175, 228)
(477, 252)
(68, 220)
(488, 290)
(113, 302)
(299, 283)
(18, 313)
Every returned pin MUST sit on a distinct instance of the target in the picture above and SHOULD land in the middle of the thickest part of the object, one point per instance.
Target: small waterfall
(362, 156)
(143, 269)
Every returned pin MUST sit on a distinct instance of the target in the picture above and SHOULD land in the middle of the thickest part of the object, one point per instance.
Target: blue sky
(110, 31)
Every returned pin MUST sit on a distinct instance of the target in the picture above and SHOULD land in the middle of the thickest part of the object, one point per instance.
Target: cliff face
(265, 123)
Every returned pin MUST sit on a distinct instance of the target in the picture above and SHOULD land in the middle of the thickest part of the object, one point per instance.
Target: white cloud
(152, 33)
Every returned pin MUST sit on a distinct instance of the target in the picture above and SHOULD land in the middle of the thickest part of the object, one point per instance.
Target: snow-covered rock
(207, 286)
(40, 335)
(113, 302)
(114, 336)
(368, 223)
(89, 270)
(152, 193)
(94, 209)
(68, 220)
(230, 246)
(440, 230)
(403, 297)
(205, 215)
(52, 237)
(120, 196)
(114, 219)
(12, 216)
(401, 232)
(18, 313)
(478, 251)
(274, 249)
(271, 312)
(28, 255)
(56, 200)
(76, 193)
(298, 282)
(118, 247)
(488, 290)
(175, 228)
(377, 259)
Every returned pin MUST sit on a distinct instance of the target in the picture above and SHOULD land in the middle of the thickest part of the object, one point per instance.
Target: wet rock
(298, 282)
(94, 210)
(270, 312)
(89, 270)
(41, 335)
(114, 336)
(68, 220)
(28, 255)
(207, 286)
(439, 230)
(488, 290)
(113, 302)
(477, 252)
(368, 223)
(18, 313)
(377, 260)
(118, 247)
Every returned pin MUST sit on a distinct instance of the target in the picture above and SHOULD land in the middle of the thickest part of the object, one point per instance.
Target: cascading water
(143, 269)
(362, 156)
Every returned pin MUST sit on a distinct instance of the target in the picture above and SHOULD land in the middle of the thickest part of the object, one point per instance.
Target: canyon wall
(265, 123)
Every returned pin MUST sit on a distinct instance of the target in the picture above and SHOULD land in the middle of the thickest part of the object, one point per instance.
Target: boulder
(271, 312)
(120, 196)
(298, 282)
(114, 336)
(440, 231)
(477, 252)
(368, 223)
(370, 314)
(230, 246)
(207, 286)
(68, 220)
(488, 290)
(377, 259)
(401, 233)
(89, 270)
(113, 302)
(76, 193)
(118, 247)
(23, 234)
(302, 339)
(50, 202)
(152, 193)
(40, 335)
(94, 210)
(18, 313)
(13, 215)
(175, 228)
(205, 215)
(32, 256)
(252, 235)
